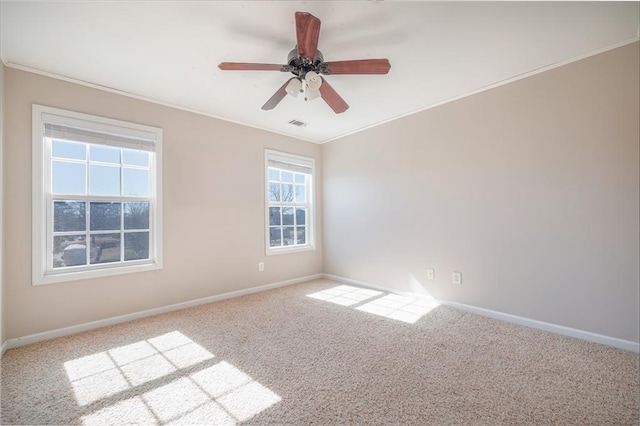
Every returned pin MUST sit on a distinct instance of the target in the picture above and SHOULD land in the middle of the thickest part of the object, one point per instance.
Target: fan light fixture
(313, 80)
(309, 85)
(294, 87)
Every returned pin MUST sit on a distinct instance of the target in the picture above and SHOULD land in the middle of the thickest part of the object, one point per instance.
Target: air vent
(297, 123)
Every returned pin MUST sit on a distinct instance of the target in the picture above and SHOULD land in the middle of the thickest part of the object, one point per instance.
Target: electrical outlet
(260, 266)
(431, 274)
(457, 277)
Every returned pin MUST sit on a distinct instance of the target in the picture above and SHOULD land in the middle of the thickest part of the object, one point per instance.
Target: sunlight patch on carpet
(345, 295)
(213, 394)
(402, 308)
(235, 391)
(176, 399)
(98, 376)
(128, 411)
(248, 400)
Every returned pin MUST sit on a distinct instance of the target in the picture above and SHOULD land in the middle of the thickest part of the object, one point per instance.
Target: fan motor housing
(301, 66)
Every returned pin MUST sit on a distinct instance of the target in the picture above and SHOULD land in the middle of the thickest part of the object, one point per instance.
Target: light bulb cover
(314, 81)
(294, 87)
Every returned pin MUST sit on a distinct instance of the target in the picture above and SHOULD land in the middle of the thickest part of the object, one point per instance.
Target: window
(96, 196)
(289, 195)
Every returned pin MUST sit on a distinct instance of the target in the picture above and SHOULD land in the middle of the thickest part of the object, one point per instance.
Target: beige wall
(213, 211)
(531, 190)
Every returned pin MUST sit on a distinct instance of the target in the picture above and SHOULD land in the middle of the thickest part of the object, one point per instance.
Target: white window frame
(310, 204)
(42, 234)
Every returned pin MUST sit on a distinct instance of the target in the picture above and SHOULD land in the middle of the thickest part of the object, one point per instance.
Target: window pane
(135, 158)
(104, 180)
(301, 235)
(69, 250)
(136, 216)
(69, 178)
(300, 178)
(136, 245)
(287, 215)
(287, 176)
(274, 192)
(274, 216)
(274, 174)
(136, 182)
(275, 237)
(104, 154)
(105, 248)
(287, 192)
(301, 216)
(287, 236)
(301, 194)
(69, 216)
(76, 151)
(104, 216)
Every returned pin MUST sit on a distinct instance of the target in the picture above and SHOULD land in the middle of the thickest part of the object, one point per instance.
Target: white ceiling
(169, 51)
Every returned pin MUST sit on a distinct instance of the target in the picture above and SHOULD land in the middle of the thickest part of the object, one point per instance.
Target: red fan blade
(307, 34)
(277, 97)
(359, 66)
(247, 66)
(331, 97)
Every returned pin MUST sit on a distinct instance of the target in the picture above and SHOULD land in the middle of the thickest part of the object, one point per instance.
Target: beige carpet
(319, 353)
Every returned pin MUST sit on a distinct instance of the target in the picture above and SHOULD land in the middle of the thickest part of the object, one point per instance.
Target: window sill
(279, 251)
(94, 273)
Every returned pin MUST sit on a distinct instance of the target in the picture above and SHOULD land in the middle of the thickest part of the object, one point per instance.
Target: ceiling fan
(307, 64)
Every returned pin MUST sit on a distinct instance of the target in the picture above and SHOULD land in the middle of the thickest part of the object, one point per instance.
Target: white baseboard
(553, 328)
(66, 331)
(3, 348)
